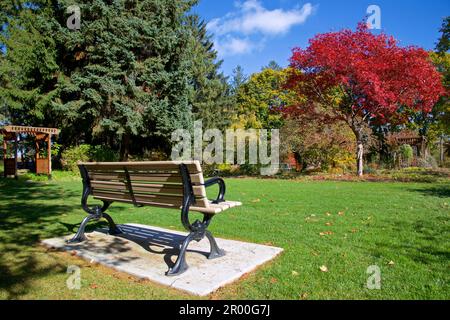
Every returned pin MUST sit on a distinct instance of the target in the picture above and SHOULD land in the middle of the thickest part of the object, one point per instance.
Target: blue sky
(250, 33)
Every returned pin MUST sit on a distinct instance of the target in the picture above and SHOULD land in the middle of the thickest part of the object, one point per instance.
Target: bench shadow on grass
(29, 212)
(168, 242)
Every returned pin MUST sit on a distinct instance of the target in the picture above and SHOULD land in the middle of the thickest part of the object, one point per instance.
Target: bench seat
(213, 208)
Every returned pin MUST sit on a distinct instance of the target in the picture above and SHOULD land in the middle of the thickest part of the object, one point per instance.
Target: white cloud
(233, 46)
(252, 19)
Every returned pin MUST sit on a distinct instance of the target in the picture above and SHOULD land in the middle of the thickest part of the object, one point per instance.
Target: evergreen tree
(28, 66)
(273, 65)
(444, 42)
(238, 79)
(211, 101)
(123, 77)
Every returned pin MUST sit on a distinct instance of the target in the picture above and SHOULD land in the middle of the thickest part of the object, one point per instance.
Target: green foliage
(444, 42)
(133, 72)
(273, 65)
(238, 79)
(318, 145)
(56, 147)
(29, 68)
(103, 153)
(260, 100)
(210, 92)
(71, 156)
(86, 152)
(406, 153)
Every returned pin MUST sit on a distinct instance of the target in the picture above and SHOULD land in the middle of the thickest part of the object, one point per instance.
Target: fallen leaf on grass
(93, 286)
(304, 296)
(328, 214)
(273, 280)
(391, 263)
(323, 269)
(326, 233)
(340, 213)
(354, 230)
(329, 224)
(256, 200)
(294, 273)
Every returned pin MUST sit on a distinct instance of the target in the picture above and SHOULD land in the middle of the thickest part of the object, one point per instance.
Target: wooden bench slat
(123, 197)
(200, 203)
(149, 203)
(174, 189)
(192, 166)
(149, 188)
(196, 178)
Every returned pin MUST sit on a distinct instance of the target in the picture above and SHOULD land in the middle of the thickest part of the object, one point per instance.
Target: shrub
(369, 169)
(427, 162)
(86, 152)
(407, 153)
(71, 156)
(103, 153)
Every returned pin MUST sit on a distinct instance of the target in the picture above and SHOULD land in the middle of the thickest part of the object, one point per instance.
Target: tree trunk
(125, 147)
(357, 130)
(359, 158)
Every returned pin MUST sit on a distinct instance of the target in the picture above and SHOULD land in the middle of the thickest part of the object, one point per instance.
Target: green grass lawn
(346, 226)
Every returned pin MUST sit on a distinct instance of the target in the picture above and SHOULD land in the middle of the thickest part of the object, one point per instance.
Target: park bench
(163, 184)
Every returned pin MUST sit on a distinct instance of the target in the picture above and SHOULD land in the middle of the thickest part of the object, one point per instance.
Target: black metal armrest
(222, 189)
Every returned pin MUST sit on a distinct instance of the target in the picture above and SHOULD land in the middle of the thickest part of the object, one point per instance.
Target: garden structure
(42, 136)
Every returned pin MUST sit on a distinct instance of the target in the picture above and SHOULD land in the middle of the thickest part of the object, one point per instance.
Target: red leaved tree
(360, 77)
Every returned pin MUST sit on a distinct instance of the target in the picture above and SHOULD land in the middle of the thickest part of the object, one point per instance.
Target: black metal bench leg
(215, 252)
(113, 228)
(79, 236)
(181, 265)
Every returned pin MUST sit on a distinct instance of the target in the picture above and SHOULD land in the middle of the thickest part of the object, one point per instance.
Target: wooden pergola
(10, 134)
(417, 142)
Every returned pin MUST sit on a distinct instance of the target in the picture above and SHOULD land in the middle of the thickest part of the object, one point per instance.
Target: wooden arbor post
(9, 164)
(44, 165)
(49, 154)
(15, 156)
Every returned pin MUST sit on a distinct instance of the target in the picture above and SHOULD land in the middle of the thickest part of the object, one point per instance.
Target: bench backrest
(156, 183)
